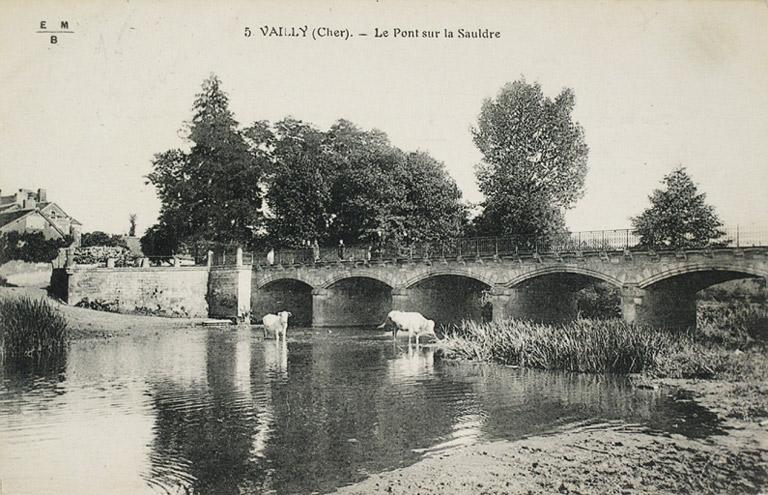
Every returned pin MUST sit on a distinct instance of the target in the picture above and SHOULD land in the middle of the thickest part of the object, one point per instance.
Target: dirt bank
(87, 323)
(601, 460)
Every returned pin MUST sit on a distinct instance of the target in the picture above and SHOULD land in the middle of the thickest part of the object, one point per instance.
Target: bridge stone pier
(657, 288)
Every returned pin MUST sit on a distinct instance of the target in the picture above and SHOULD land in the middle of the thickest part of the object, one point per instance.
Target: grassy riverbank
(89, 324)
(594, 346)
(31, 328)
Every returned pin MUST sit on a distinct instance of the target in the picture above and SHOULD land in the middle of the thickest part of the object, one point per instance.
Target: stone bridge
(656, 288)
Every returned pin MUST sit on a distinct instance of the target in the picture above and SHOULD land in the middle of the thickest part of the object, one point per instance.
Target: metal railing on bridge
(593, 241)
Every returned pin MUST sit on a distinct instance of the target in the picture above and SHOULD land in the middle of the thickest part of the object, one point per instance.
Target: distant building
(30, 211)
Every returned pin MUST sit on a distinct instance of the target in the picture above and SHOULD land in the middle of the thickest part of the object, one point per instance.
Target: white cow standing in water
(412, 322)
(276, 324)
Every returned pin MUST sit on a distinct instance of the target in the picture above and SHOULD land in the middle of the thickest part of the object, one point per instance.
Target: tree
(352, 184)
(213, 191)
(678, 217)
(534, 161)
(132, 228)
(299, 184)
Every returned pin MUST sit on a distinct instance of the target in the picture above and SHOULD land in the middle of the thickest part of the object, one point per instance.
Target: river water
(223, 411)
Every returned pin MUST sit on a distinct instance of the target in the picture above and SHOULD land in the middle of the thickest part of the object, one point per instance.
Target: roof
(12, 216)
(44, 206)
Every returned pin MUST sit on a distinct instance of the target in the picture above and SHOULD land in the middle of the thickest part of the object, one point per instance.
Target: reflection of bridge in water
(500, 277)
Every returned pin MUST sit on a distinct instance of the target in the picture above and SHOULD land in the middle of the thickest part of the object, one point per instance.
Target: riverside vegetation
(31, 328)
(730, 344)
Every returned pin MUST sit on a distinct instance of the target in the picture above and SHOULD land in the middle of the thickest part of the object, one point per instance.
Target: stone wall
(163, 291)
(229, 292)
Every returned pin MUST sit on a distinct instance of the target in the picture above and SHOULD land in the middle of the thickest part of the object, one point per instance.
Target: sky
(657, 85)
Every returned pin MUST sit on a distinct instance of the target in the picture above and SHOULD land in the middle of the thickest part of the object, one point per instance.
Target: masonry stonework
(177, 292)
(656, 288)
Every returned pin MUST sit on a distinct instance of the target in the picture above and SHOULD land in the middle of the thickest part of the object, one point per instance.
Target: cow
(414, 323)
(276, 324)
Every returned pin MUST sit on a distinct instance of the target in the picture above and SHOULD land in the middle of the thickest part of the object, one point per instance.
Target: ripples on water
(221, 411)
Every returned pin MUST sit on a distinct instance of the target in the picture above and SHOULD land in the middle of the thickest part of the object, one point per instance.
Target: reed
(31, 327)
(592, 346)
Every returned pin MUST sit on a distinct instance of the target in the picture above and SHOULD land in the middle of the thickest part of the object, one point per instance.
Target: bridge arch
(669, 296)
(352, 300)
(283, 293)
(447, 296)
(329, 283)
(421, 277)
(737, 269)
(558, 269)
(277, 277)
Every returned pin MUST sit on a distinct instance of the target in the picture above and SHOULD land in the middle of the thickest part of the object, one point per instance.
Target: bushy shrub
(32, 247)
(98, 255)
(736, 324)
(98, 238)
(31, 327)
(98, 305)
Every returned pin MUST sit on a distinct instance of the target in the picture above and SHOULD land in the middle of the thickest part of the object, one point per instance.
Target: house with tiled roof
(30, 211)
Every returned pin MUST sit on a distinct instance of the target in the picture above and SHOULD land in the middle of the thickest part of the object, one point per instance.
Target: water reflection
(203, 442)
(212, 411)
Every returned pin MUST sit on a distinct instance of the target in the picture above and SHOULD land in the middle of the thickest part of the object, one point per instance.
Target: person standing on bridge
(271, 256)
(316, 250)
(341, 249)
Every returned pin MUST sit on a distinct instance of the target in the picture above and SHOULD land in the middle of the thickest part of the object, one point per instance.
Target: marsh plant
(592, 346)
(31, 328)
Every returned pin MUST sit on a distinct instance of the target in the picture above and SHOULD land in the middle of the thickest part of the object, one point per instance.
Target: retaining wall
(163, 291)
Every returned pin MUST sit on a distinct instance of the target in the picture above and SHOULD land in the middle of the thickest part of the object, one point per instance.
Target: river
(223, 411)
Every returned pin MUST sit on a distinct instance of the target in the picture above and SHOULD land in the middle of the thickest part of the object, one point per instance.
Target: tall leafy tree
(299, 183)
(678, 217)
(534, 161)
(352, 184)
(213, 191)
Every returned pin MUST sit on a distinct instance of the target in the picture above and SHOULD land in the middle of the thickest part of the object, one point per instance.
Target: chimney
(29, 204)
(42, 196)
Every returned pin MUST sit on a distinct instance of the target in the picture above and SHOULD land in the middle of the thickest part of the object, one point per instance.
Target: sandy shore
(600, 460)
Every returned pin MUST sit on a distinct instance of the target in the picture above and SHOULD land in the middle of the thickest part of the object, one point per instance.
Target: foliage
(344, 183)
(31, 327)
(299, 184)
(98, 255)
(160, 239)
(751, 290)
(98, 238)
(213, 191)
(354, 185)
(592, 346)
(99, 305)
(599, 301)
(678, 217)
(30, 246)
(735, 324)
(534, 161)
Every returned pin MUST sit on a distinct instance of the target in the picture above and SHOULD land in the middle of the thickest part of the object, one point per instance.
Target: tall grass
(31, 327)
(592, 346)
